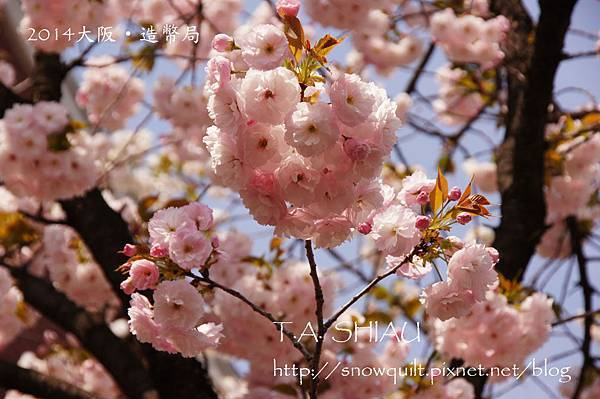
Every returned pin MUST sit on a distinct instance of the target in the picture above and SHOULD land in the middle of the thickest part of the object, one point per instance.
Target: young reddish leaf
(325, 45)
(475, 205)
(467, 192)
(295, 36)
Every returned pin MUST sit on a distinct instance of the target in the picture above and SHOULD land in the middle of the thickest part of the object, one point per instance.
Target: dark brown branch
(125, 367)
(48, 75)
(370, 286)
(412, 84)
(104, 232)
(7, 99)
(531, 72)
(587, 292)
(33, 383)
(277, 323)
(321, 330)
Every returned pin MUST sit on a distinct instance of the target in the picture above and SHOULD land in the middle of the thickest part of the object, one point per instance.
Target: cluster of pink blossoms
(456, 104)
(468, 38)
(64, 258)
(180, 241)
(41, 157)
(571, 193)
(369, 22)
(308, 167)
(186, 38)
(67, 361)
(15, 316)
(484, 173)
(183, 106)
(53, 21)
(108, 94)
(487, 335)
(287, 292)
(470, 274)
(396, 228)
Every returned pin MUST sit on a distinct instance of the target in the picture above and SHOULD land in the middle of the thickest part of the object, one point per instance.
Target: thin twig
(370, 286)
(277, 323)
(321, 330)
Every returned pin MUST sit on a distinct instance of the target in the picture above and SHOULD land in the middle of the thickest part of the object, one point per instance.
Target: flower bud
(365, 228)
(422, 222)
(129, 250)
(423, 198)
(454, 194)
(288, 8)
(158, 251)
(493, 253)
(463, 218)
(222, 43)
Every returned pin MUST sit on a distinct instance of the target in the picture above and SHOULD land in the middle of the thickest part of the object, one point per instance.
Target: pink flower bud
(356, 150)
(215, 242)
(422, 222)
(158, 251)
(129, 250)
(493, 253)
(454, 193)
(222, 43)
(127, 287)
(50, 337)
(423, 198)
(288, 8)
(365, 228)
(463, 218)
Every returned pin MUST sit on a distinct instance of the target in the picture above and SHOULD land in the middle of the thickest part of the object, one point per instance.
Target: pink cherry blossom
(445, 301)
(166, 222)
(394, 230)
(353, 100)
(144, 274)
(311, 128)
(189, 248)
(268, 96)
(177, 303)
(264, 47)
(472, 269)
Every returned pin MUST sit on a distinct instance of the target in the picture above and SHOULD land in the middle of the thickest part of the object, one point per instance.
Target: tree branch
(531, 72)
(370, 286)
(33, 383)
(587, 292)
(127, 370)
(297, 344)
(321, 330)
